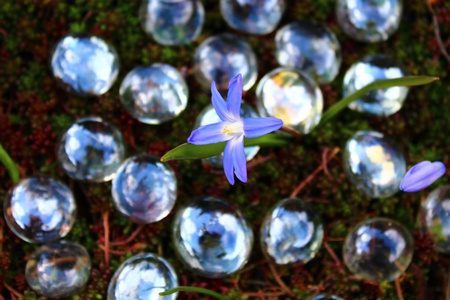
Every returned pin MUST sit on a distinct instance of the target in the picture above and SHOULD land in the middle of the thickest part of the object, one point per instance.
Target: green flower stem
(10, 165)
(191, 289)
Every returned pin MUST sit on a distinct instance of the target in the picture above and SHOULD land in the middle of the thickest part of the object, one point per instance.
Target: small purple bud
(421, 176)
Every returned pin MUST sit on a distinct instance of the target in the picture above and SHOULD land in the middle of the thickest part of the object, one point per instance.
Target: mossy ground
(34, 111)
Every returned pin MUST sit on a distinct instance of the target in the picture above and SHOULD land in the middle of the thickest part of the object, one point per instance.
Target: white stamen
(235, 128)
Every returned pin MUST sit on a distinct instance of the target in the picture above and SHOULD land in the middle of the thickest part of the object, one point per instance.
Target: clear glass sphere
(435, 217)
(325, 297)
(172, 22)
(310, 47)
(85, 65)
(58, 270)
(291, 96)
(374, 164)
(209, 116)
(382, 102)
(291, 232)
(369, 20)
(154, 94)
(212, 238)
(144, 189)
(91, 149)
(40, 209)
(143, 276)
(252, 16)
(222, 57)
(378, 249)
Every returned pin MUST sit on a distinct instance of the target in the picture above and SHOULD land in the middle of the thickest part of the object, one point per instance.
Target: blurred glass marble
(154, 94)
(172, 22)
(143, 276)
(212, 238)
(85, 65)
(222, 57)
(325, 297)
(40, 209)
(144, 189)
(58, 270)
(310, 47)
(378, 249)
(291, 96)
(252, 16)
(209, 116)
(369, 20)
(374, 164)
(91, 149)
(382, 102)
(291, 232)
(435, 217)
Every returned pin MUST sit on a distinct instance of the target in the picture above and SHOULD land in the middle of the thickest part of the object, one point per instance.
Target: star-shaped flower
(233, 129)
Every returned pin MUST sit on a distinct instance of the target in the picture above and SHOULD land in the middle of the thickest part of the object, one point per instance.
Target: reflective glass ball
(91, 149)
(310, 47)
(144, 189)
(291, 96)
(143, 276)
(222, 57)
(378, 249)
(369, 20)
(40, 209)
(291, 232)
(382, 102)
(86, 65)
(435, 217)
(58, 270)
(374, 164)
(325, 297)
(252, 16)
(172, 22)
(154, 94)
(212, 238)
(209, 116)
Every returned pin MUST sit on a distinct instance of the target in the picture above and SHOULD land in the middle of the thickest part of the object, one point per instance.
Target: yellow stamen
(235, 128)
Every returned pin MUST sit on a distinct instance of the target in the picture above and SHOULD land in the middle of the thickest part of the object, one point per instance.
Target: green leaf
(193, 289)
(380, 84)
(10, 165)
(190, 151)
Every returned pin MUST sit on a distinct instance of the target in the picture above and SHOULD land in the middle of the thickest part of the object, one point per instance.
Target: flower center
(235, 128)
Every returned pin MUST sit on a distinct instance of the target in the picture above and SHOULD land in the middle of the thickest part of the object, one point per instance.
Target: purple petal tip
(421, 176)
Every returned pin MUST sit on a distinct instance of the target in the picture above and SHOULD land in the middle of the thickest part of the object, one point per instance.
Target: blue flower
(421, 176)
(232, 129)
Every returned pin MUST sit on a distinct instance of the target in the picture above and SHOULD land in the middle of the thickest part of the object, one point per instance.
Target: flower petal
(220, 106)
(254, 127)
(234, 97)
(422, 175)
(228, 162)
(239, 159)
(209, 134)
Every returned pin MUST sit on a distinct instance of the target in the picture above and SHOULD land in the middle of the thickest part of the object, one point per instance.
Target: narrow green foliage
(194, 290)
(10, 165)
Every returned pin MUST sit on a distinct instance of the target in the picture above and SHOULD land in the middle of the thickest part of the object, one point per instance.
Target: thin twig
(437, 32)
(291, 131)
(261, 293)
(259, 160)
(314, 174)
(399, 289)
(115, 252)
(280, 282)
(332, 254)
(106, 228)
(129, 239)
(13, 291)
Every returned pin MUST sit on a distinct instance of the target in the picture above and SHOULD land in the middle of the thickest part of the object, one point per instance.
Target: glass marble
(435, 217)
(374, 164)
(382, 102)
(154, 94)
(40, 209)
(91, 149)
(369, 20)
(172, 22)
(58, 270)
(222, 57)
(325, 297)
(85, 65)
(252, 16)
(310, 47)
(209, 116)
(378, 249)
(144, 189)
(143, 276)
(291, 232)
(212, 238)
(291, 96)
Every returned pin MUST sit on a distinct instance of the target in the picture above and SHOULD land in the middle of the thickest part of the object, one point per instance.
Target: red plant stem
(106, 227)
(280, 282)
(399, 289)
(437, 32)
(332, 254)
(130, 238)
(13, 291)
